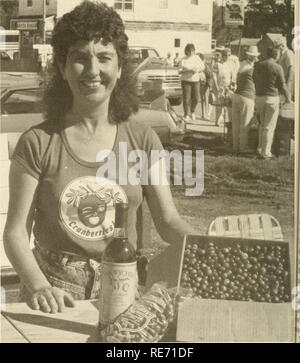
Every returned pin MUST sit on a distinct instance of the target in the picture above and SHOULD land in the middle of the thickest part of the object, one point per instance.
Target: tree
(269, 16)
(8, 10)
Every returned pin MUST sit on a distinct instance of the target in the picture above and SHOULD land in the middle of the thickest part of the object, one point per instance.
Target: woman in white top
(191, 67)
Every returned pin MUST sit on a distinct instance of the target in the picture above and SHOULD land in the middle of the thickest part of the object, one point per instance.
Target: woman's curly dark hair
(91, 21)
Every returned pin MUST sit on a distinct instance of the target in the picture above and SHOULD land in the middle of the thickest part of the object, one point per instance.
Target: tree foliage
(269, 16)
(8, 10)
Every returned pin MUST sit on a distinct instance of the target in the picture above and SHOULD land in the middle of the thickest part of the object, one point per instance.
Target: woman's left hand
(50, 300)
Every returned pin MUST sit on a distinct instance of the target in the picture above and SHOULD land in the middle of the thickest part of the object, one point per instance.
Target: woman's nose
(94, 66)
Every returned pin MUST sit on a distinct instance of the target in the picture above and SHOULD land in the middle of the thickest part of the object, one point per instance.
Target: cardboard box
(216, 320)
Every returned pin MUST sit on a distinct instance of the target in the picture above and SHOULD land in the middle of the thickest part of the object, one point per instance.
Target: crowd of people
(239, 90)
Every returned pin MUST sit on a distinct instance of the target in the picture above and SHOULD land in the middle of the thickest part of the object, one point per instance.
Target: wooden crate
(215, 320)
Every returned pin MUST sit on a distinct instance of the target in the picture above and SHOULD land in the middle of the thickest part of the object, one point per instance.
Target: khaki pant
(267, 111)
(242, 113)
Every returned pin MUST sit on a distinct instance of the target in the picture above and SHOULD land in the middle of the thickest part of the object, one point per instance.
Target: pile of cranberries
(255, 272)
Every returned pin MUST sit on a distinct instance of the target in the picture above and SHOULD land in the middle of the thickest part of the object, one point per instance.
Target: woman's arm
(170, 226)
(22, 189)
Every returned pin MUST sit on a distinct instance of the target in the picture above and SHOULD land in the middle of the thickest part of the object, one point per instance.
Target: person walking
(243, 102)
(269, 83)
(191, 67)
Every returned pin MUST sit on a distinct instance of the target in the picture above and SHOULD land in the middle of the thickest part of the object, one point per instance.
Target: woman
(57, 178)
(243, 102)
(191, 67)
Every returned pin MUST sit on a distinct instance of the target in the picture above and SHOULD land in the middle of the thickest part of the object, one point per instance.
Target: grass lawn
(235, 185)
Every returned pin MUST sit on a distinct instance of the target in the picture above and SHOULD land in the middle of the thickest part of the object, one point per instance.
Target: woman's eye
(104, 58)
(79, 59)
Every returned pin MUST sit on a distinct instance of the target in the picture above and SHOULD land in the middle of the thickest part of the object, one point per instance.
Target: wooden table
(216, 321)
(20, 324)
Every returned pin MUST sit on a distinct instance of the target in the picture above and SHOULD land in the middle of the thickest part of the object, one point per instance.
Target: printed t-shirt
(74, 206)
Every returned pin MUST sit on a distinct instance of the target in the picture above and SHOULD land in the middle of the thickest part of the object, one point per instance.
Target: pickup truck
(150, 67)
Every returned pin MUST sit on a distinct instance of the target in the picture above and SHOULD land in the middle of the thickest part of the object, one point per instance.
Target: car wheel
(175, 101)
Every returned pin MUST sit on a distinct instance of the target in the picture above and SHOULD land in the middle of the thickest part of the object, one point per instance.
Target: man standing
(287, 62)
(269, 83)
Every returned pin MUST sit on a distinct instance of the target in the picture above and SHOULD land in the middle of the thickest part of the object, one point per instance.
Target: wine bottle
(119, 271)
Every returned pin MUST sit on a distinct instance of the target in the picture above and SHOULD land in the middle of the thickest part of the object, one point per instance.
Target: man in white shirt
(287, 62)
(191, 67)
(228, 78)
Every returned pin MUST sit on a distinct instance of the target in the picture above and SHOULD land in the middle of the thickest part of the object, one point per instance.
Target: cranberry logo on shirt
(87, 207)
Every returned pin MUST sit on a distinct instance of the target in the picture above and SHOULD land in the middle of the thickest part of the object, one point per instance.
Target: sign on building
(234, 12)
(27, 25)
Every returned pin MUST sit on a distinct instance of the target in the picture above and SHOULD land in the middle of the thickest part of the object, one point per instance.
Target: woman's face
(91, 71)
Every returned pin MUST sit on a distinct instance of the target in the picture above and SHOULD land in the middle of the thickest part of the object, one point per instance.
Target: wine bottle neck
(120, 232)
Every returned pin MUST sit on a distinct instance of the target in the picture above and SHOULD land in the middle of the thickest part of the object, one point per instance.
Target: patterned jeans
(78, 276)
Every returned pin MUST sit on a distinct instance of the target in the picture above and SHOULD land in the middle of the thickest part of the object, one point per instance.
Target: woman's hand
(50, 300)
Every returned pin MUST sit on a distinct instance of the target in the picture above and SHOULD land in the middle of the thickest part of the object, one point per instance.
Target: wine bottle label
(118, 287)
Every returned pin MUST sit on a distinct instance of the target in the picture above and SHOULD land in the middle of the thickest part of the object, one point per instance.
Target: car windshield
(138, 55)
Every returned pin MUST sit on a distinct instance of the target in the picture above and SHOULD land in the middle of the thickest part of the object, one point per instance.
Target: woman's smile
(91, 84)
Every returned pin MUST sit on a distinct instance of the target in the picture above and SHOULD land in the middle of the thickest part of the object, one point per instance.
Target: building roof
(246, 41)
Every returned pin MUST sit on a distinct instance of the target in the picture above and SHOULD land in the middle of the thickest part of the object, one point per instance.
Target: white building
(167, 25)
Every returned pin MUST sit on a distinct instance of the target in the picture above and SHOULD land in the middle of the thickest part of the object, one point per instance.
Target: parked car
(149, 66)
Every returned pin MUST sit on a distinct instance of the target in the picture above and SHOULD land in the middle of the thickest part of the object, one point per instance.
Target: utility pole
(44, 21)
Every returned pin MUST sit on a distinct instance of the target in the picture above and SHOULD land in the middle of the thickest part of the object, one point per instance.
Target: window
(163, 4)
(29, 3)
(12, 38)
(124, 5)
(177, 43)
(194, 2)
